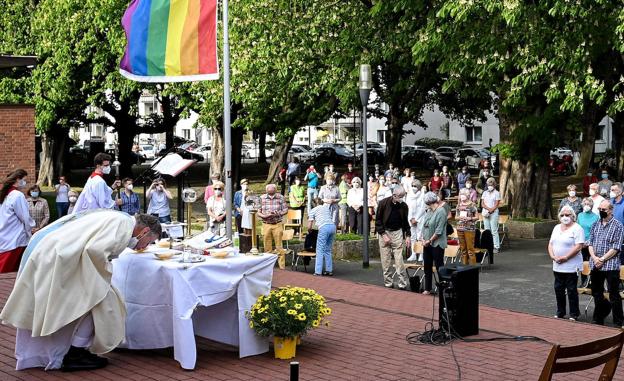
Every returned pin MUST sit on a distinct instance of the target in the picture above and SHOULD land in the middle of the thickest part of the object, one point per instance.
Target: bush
(348, 237)
(434, 143)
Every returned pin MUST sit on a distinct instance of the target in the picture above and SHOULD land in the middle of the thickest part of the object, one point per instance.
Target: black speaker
(458, 287)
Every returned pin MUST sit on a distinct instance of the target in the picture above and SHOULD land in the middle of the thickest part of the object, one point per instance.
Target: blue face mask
(34, 194)
(605, 176)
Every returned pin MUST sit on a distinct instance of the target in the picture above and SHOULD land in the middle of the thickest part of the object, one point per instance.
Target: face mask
(34, 194)
(603, 214)
(160, 188)
(330, 182)
(349, 169)
(382, 181)
(612, 194)
(21, 183)
(356, 185)
(444, 170)
(572, 193)
(463, 197)
(490, 188)
(592, 192)
(604, 176)
(244, 187)
(106, 170)
(73, 199)
(589, 174)
(129, 187)
(586, 208)
(485, 174)
(565, 220)
(435, 174)
(218, 192)
(464, 172)
(468, 185)
(370, 179)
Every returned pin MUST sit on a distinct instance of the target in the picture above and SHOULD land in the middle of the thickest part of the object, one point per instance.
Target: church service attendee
(159, 197)
(434, 237)
(38, 208)
(297, 195)
(572, 200)
(62, 197)
(209, 191)
(355, 201)
(596, 197)
(72, 197)
(273, 208)
(96, 194)
(66, 317)
(216, 210)
(15, 222)
(330, 193)
(416, 210)
(128, 201)
(238, 203)
(321, 215)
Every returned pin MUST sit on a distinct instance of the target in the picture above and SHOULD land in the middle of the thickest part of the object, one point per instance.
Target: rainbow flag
(170, 41)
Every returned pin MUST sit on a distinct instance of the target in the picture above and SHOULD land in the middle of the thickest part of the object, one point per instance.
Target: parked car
(425, 159)
(190, 155)
(371, 145)
(447, 151)
(148, 151)
(409, 148)
(301, 154)
(332, 155)
(472, 157)
(560, 152)
(205, 151)
(374, 156)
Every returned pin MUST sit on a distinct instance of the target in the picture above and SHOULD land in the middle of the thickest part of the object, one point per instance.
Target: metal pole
(227, 133)
(294, 371)
(364, 98)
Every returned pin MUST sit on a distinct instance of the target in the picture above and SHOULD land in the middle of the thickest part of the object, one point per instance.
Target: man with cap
(239, 198)
(312, 179)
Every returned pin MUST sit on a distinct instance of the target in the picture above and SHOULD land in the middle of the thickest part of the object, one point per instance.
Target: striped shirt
(129, 204)
(275, 204)
(321, 215)
(39, 211)
(604, 237)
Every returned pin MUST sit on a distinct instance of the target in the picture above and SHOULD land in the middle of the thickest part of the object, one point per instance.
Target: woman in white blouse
(355, 201)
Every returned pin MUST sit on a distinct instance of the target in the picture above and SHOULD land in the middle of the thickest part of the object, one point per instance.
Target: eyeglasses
(218, 189)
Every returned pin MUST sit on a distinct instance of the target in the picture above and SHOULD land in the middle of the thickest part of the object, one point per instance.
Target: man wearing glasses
(605, 242)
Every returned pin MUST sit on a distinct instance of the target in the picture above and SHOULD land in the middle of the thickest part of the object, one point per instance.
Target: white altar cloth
(168, 302)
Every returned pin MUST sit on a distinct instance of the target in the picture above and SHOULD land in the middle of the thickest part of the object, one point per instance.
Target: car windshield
(343, 151)
(147, 147)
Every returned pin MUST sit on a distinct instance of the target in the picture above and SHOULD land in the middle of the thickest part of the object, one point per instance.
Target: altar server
(63, 301)
(96, 194)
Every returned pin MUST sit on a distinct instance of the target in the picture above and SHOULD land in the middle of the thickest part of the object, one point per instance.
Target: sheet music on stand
(173, 164)
(174, 229)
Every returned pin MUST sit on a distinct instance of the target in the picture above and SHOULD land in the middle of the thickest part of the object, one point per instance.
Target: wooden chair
(451, 253)
(585, 356)
(301, 255)
(294, 219)
(502, 227)
(585, 289)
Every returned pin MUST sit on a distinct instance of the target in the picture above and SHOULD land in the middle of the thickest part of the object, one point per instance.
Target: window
(473, 134)
(149, 109)
(186, 134)
(381, 136)
(600, 132)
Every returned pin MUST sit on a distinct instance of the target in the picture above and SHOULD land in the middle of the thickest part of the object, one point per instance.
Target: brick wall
(17, 140)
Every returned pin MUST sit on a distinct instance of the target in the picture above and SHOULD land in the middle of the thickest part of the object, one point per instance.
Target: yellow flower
(283, 305)
(283, 299)
(301, 316)
(251, 325)
(264, 320)
(316, 323)
(298, 306)
(327, 311)
(291, 312)
(306, 298)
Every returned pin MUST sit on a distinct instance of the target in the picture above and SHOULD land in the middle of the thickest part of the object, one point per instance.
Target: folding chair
(294, 219)
(451, 253)
(585, 356)
(585, 288)
(502, 227)
(300, 255)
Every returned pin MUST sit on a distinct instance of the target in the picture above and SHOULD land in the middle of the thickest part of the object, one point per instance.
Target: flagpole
(227, 133)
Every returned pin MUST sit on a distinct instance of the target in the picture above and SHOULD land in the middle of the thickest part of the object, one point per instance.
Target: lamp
(365, 85)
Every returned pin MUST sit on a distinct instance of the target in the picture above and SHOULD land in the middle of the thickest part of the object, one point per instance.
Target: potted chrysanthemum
(287, 313)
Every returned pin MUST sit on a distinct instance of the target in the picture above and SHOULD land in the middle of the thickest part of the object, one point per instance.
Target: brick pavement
(365, 341)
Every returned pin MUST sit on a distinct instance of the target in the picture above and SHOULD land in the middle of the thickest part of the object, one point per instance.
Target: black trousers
(355, 221)
(601, 308)
(566, 282)
(432, 255)
(585, 253)
(239, 219)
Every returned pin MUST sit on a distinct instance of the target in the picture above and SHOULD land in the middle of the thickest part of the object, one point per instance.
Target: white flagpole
(227, 133)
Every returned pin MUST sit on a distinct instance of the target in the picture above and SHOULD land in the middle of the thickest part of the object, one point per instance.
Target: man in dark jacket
(393, 231)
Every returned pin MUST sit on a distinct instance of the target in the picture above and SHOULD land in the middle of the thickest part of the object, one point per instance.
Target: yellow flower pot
(285, 347)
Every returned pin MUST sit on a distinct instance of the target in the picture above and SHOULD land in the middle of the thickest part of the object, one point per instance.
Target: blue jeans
(61, 209)
(163, 219)
(324, 243)
(491, 223)
(312, 194)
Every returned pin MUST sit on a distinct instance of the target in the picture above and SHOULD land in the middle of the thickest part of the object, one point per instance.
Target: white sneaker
(412, 257)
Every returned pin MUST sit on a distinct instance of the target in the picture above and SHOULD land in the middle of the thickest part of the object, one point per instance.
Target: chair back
(288, 234)
(588, 355)
(294, 215)
(586, 269)
(417, 247)
(621, 273)
(503, 218)
(451, 252)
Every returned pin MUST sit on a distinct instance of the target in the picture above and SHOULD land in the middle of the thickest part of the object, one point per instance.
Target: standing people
(273, 208)
(472, 192)
(330, 194)
(389, 171)
(297, 195)
(15, 222)
(416, 211)
(128, 201)
(239, 201)
(322, 217)
(350, 174)
(604, 185)
(596, 197)
(393, 232)
(588, 180)
(466, 215)
(355, 201)
(216, 210)
(490, 200)
(434, 237)
(406, 180)
(343, 207)
(564, 248)
(38, 208)
(209, 191)
(435, 184)
(312, 178)
(447, 182)
(292, 170)
(159, 197)
(462, 177)
(96, 194)
(572, 200)
(73, 197)
(484, 175)
(586, 220)
(605, 242)
(383, 191)
(62, 197)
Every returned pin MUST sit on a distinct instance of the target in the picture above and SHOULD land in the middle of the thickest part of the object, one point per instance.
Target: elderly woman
(466, 215)
(572, 200)
(433, 236)
(215, 206)
(73, 197)
(586, 219)
(490, 200)
(416, 210)
(38, 208)
(564, 249)
(473, 195)
(321, 215)
(355, 201)
(330, 194)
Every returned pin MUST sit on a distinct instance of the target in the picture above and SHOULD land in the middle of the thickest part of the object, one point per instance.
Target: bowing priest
(96, 193)
(63, 305)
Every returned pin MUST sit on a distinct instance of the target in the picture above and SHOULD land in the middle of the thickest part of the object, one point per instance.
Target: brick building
(17, 139)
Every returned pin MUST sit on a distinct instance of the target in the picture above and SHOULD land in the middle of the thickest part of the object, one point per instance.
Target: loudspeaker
(458, 288)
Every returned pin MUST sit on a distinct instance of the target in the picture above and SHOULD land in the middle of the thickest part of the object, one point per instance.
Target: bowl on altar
(164, 255)
(163, 243)
(219, 254)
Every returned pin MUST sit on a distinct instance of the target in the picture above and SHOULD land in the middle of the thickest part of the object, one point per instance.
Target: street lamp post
(366, 84)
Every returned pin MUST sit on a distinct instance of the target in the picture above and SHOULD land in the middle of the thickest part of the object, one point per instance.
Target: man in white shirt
(96, 194)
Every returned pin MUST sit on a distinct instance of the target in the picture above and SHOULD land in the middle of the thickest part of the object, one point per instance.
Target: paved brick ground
(365, 341)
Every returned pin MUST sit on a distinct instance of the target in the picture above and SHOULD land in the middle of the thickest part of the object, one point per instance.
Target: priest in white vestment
(416, 212)
(63, 301)
(96, 193)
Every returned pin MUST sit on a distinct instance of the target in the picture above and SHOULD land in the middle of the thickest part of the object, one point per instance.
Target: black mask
(603, 214)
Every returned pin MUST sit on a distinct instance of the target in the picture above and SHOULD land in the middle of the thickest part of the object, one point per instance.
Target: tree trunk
(589, 122)
(261, 144)
(237, 147)
(506, 125)
(46, 162)
(618, 137)
(217, 158)
(529, 190)
(280, 155)
(394, 136)
(61, 150)
(125, 140)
